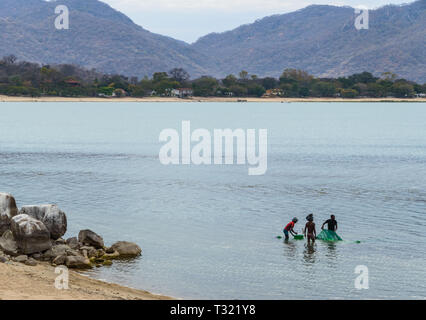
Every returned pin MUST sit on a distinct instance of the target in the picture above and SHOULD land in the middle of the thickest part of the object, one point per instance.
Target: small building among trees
(182, 92)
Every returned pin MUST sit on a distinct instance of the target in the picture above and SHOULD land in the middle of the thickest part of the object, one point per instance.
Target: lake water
(210, 231)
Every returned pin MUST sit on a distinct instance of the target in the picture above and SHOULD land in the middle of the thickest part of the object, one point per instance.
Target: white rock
(53, 218)
(31, 235)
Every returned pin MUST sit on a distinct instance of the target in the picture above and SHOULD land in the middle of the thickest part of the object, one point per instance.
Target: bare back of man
(310, 231)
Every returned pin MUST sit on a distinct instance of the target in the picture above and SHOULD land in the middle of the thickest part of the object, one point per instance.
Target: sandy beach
(22, 282)
(201, 99)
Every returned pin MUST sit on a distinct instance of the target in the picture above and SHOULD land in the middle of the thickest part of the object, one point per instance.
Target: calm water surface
(210, 231)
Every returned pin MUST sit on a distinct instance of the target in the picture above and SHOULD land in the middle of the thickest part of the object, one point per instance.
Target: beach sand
(202, 99)
(22, 282)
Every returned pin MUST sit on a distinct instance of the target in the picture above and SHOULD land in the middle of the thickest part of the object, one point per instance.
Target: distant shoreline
(202, 99)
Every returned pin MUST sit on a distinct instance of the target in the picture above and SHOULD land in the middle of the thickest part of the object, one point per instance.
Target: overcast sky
(190, 19)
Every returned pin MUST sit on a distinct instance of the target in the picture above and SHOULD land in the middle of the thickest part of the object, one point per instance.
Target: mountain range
(319, 39)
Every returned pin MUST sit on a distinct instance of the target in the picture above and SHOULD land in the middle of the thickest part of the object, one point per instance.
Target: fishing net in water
(328, 235)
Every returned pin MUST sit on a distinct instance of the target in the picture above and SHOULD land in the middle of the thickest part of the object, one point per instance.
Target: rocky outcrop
(127, 249)
(35, 234)
(89, 238)
(53, 218)
(30, 234)
(8, 210)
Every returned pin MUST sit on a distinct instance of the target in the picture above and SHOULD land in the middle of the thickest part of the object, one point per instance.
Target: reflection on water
(331, 251)
(290, 249)
(309, 256)
(210, 231)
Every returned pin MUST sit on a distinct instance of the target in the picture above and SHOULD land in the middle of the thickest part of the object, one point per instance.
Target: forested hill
(323, 41)
(98, 37)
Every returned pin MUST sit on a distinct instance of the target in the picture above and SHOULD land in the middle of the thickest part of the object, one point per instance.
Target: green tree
(243, 75)
(230, 80)
(238, 90)
(403, 90)
(106, 90)
(159, 76)
(375, 90)
(180, 75)
(295, 75)
(323, 89)
(255, 90)
(15, 80)
(165, 86)
(364, 77)
(205, 86)
(269, 83)
(389, 76)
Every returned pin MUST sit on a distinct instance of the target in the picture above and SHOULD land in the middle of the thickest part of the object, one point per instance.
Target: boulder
(30, 234)
(52, 253)
(36, 256)
(72, 252)
(60, 241)
(87, 248)
(60, 260)
(53, 218)
(89, 238)
(100, 253)
(8, 244)
(78, 262)
(73, 243)
(21, 259)
(127, 249)
(90, 251)
(3, 259)
(31, 262)
(110, 256)
(109, 250)
(8, 210)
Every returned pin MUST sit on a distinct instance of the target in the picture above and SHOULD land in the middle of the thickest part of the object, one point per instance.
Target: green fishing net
(328, 235)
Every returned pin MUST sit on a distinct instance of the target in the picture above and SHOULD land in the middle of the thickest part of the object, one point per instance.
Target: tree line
(21, 78)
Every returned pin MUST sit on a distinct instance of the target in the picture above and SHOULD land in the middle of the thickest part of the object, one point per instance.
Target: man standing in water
(310, 231)
(332, 224)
